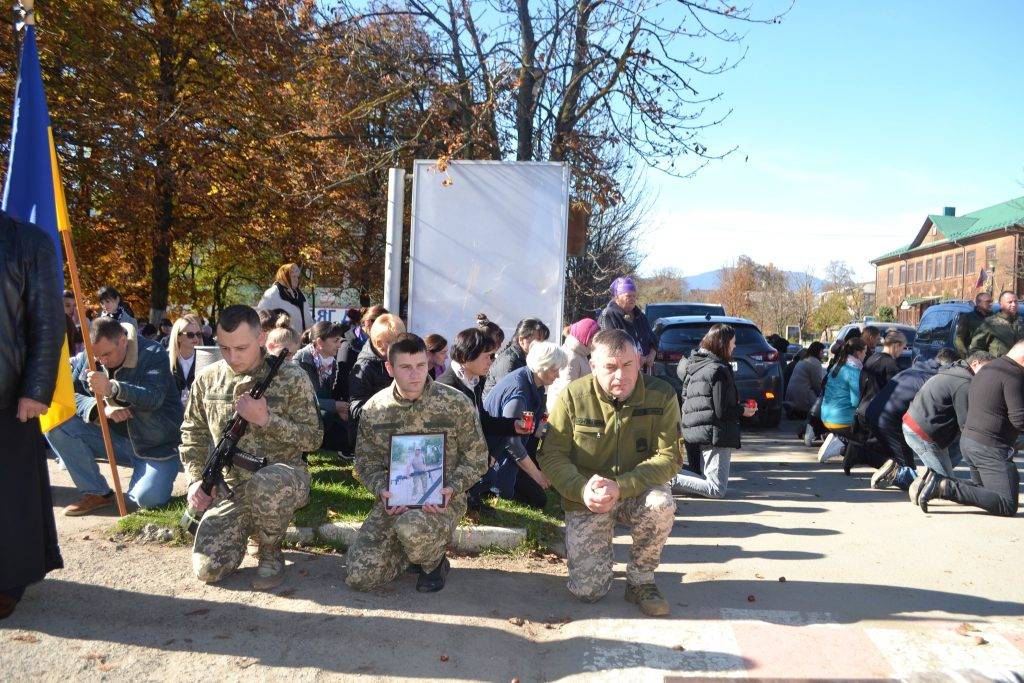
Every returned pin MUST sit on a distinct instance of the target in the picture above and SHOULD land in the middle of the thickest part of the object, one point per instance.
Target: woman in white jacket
(577, 347)
(285, 294)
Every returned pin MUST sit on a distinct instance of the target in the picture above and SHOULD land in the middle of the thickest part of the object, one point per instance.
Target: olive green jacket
(966, 327)
(635, 441)
(998, 334)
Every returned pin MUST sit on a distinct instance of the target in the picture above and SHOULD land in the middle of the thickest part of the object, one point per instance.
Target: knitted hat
(583, 330)
(622, 285)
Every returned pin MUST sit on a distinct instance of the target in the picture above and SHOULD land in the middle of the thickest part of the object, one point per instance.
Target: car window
(936, 325)
(908, 332)
(688, 336)
(655, 311)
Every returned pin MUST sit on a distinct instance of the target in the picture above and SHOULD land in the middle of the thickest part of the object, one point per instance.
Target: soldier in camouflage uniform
(393, 537)
(283, 424)
(611, 448)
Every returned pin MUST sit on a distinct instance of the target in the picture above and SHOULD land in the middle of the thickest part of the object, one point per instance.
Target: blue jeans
(716, 475)
(942, 460)
(79, 444)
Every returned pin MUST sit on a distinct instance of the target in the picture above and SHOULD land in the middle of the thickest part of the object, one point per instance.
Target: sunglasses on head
(192, 335)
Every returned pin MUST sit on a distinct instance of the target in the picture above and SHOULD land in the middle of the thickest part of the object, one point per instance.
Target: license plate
(734, 365)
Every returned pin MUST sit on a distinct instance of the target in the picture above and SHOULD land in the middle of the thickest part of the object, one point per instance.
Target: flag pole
(76, 289)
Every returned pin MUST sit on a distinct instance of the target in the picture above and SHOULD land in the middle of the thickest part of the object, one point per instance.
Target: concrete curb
(467, 539)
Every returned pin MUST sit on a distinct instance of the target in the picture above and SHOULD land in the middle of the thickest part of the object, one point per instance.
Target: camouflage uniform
(387, 544)
(635, 442)
(588, 541)
(264, 501)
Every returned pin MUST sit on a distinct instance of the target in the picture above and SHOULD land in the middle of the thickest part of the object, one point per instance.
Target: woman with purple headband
(622, 313)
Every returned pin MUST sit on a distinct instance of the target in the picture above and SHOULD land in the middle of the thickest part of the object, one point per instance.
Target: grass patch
(336, 495)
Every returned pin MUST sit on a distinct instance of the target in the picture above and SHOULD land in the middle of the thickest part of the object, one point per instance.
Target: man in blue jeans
(140, 397)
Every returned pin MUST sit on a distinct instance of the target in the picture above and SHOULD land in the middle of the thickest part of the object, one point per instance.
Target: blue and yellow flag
(33, 192)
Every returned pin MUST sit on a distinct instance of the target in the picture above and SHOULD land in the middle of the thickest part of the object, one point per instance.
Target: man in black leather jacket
(32, 331)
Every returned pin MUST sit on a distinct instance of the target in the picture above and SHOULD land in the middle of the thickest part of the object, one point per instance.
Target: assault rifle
(225, 453)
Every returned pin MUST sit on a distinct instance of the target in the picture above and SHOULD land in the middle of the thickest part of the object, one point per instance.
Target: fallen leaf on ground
(197, 612)
(751, 598)
(782, 579)
(758, 576)
(978, 640)
(444, 658)
(965, 628)
(223, 636)
(515, 680)
(680, 648)
(26, 638)
(245, 662)
(106, 666)
(516, 621)
(86, 537)
(95, 656)
(303, 572)
(287, 592)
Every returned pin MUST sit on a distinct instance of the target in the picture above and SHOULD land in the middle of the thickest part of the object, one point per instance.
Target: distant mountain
(712, 278)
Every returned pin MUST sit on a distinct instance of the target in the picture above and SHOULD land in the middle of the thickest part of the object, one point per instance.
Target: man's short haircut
(613, 342)
(947, 356)
(871, 329)
(106, 328)
(977, 299)
(894, 337)
(406, 342)
(107, 292)
(68, 294)
(544, 356)
(531, 327)
(470, 344)
(1001, 294)
(979, 357)
(233, 316)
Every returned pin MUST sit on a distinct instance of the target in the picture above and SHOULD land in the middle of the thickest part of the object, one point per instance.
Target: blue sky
(859, 119)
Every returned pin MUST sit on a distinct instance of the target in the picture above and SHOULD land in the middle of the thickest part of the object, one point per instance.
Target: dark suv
(755, 363)
(670, 309)
(937, 329)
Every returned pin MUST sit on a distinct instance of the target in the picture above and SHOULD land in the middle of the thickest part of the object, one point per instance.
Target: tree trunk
(526, 95)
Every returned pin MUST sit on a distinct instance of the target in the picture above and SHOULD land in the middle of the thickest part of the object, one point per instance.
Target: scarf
(296, 299)
(324, 367)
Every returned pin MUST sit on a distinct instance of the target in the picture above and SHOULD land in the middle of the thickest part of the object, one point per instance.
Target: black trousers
(28, 534)
(336, 434)
(995, 482)
(895, 445)
(528, 492)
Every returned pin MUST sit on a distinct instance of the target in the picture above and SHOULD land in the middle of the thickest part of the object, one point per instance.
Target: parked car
(907, 357)
(937, 329)
(674, 308)
(791, 352)
(755, 363)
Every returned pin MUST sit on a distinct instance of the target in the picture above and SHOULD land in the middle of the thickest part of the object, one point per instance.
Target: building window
(888, 278)
(959, 265)
(990, 256)
(903, 273)
(949, 266)
(929, 273)
(971, 266)
(938, 268)
(920, 272)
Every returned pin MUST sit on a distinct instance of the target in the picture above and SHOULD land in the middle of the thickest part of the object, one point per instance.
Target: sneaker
(89, 503)
(924, 489)
(809, 436)
(648, 598)
(431, 582)
(827, 451)
(270, 571)
(885, 475)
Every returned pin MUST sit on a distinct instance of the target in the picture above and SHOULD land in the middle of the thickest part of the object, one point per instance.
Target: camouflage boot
(648, 598)
(270, 571)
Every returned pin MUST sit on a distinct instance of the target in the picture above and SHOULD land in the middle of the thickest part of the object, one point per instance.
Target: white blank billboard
(487, 237)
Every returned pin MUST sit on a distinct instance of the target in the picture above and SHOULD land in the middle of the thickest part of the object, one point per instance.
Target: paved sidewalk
(873, 589)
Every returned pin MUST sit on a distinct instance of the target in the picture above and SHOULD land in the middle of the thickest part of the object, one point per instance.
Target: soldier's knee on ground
(209, 570)
(362, 578)
(661, 503)
(590, 591)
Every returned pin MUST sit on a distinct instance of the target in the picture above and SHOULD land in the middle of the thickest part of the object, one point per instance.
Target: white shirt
(186, 364)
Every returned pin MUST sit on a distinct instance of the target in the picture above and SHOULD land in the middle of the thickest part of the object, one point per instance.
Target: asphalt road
(873, 589)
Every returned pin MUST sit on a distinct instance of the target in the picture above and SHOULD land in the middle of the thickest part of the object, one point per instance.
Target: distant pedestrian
(513, 355)
(181, 351)
(285, 293)
(437, 354)
(110, 301)
(805, 383)
(622, 313)
(577, 348)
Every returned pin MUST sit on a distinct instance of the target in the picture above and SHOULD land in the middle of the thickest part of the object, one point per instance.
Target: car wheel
(771, 418)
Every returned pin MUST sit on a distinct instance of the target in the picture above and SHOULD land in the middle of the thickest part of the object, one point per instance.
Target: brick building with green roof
(954, 257)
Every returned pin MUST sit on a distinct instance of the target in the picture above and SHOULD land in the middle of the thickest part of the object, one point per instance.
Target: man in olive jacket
(968, 323)
(1001, 331)
(611, 448)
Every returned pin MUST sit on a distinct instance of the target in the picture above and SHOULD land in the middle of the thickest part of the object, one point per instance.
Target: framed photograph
(416, 472)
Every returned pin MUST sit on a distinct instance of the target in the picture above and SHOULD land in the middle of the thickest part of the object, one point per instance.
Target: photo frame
(416, 470)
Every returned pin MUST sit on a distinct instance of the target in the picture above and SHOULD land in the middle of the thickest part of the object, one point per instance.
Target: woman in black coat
(711, 413)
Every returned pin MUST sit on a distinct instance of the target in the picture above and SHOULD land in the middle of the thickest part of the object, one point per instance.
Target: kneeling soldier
(393, 537)
(283, 423)
(610, 450)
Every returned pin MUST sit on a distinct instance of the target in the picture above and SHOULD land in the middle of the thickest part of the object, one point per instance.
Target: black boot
(431, 582)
